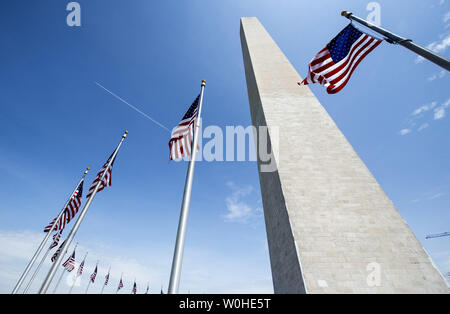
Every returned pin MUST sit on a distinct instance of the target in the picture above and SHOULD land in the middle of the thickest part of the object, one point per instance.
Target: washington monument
(330, 226)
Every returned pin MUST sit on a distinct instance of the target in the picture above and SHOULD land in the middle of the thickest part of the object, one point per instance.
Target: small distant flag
(69, 264)
(134, 288)
(106, 180)
(146, 291)
(106, 279)
(180, 143)
(333, 66)
(94, 274)
(80, 269)
(120, 285)
(56, 238)
(70, 211)
(55, 256)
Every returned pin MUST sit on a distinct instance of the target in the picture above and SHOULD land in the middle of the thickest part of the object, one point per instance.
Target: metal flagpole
(41, 246)
(407, 43)
(89, 282)
(76, 276)
(74, 230)
(104, 285)
(64, 269)
(37, 270)
(181, 233)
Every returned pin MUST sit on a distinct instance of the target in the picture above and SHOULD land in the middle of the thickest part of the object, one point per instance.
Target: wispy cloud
(404, 131)
(435, 76)
(238, 210)
(423, 112)
(440, 111)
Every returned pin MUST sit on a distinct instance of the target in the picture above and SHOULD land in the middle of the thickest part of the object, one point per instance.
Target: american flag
(56, 238)
(94, 274)
(106, 279)
(333, 66)
(120, 285)
(106, 180)
(80, 269)
(55, 256)
(180, 143)
(69, 264)
(134, 288)
(70, 211)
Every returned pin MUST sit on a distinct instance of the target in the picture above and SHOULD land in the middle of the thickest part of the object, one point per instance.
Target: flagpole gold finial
(203, 82)
(346, 14)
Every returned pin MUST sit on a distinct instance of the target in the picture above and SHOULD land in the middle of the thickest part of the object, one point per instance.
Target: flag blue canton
(340, 46)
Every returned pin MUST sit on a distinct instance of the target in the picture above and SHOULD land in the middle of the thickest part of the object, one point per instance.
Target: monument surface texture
(330, 226)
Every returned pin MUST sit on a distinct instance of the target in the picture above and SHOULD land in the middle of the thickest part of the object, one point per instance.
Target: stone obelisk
(330, 226)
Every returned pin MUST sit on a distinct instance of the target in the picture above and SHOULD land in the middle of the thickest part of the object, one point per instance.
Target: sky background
(56, 121)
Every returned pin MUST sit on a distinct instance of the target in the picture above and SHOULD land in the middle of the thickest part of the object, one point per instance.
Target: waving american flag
(56, 238)
(106, 180)
(134, 288)
(70, 211)
(333, 66)
(55, 256)
(94, 274)
(69, 264)
(120, 285)
(180, 143)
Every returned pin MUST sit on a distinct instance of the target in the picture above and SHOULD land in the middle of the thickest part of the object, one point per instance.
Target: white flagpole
(64, 269)
(41, 246)
(104, 285)
(89, 282)
(74, 230)
(37, 270)
(76, 276)
(181, 233)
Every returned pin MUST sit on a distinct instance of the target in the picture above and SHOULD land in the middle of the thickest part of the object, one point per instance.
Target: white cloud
(439, 75)
(423, 126)
(447, 17)
(404, 131)
(237, 208)
(424, 108)
(439, 112)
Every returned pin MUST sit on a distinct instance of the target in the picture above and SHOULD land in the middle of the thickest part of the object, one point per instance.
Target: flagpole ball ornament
(203, 82)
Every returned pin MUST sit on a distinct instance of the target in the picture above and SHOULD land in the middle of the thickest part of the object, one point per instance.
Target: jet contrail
(133, 107)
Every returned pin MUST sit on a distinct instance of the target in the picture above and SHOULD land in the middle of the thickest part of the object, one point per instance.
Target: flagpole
(89, 282)
(41, 246)
(407, 43)
(181, 233)
(64, 269)
(37, 270)
(76, 277)
(75, 227)
(104, 285)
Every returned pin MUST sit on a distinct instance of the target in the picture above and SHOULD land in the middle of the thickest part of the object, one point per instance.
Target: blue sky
(57, 121)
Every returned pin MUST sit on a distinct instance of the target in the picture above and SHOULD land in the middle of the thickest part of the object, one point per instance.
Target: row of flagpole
(91, 279)
(193, 116)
